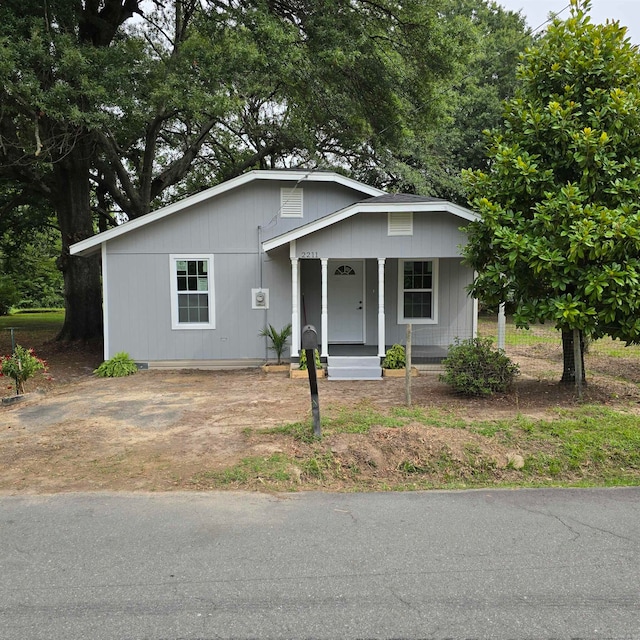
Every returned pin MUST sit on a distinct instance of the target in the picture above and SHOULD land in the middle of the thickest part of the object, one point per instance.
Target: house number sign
(309, 254)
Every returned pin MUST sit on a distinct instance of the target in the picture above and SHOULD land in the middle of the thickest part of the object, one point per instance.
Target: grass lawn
(32, 327)
(588, 445)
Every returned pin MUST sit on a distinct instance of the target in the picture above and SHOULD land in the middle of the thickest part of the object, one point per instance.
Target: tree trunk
(82, 289)
(569, 368)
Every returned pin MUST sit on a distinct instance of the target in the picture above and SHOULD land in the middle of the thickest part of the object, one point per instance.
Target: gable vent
(291, 203)
(400, 223)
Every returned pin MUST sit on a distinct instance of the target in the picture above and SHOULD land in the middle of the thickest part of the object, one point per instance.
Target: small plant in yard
(120, 365)
(278, 339)
(473, 367)
(21, 365)
(395, 358)
(303, 359)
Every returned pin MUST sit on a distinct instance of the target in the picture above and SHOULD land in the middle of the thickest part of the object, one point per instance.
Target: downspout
(266, 310)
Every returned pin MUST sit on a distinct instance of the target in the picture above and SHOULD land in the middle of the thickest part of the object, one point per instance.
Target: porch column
(295, 313)
(381, 318)
(324, 313)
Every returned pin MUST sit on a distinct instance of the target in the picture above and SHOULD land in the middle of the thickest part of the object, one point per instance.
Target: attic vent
(400, 223)
(291, 203)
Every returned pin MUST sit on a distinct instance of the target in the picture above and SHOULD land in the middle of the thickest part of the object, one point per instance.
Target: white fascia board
(371, 207)
(91, 245)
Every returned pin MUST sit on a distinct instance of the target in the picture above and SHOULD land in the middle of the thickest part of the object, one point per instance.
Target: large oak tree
(109, 108)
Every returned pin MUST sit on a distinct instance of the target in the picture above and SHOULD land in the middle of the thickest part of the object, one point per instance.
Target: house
(193, 283)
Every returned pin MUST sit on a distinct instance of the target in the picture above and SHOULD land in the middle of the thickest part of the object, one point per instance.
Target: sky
(626, 12)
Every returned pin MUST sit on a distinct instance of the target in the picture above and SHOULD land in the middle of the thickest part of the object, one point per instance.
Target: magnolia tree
(560, 202)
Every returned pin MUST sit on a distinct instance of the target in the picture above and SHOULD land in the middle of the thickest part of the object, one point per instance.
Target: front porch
(420, 354)
(361, 306)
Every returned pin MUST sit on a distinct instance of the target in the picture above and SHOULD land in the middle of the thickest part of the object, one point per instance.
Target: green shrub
(21, 365)
(395, 358)
(474, 368)
(120, 365)
(303, 359)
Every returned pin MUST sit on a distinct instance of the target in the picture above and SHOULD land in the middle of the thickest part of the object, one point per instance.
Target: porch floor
(420, 354)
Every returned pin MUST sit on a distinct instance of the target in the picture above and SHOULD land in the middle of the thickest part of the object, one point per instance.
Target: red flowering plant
(21, 365)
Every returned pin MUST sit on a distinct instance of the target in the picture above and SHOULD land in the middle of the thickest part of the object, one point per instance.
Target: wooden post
(577, 364)
(407, 371)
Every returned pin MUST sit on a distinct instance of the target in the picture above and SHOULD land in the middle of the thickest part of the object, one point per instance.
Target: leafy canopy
(560, 229)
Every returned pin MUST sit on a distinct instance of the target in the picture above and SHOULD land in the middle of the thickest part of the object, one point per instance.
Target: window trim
(173, 287)
(434, 292)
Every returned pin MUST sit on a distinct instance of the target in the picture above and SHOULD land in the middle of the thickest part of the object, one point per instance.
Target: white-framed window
(291, 202)
(418, 291)
(192, 291)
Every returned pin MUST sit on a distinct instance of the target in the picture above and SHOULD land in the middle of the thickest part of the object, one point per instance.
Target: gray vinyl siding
(230, 221)
(140, 309)
(435, 235)
(138, 273)
(319, 199)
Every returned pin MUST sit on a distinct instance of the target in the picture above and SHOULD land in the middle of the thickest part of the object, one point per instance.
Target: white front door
(346, 300)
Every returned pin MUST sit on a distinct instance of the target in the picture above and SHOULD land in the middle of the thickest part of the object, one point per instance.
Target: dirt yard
(169, 430)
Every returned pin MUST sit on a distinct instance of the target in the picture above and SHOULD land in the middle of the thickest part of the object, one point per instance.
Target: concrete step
(354, 368)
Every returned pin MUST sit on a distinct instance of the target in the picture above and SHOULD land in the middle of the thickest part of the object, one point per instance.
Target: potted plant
(301, 371)
(395, 362)
(278, 342)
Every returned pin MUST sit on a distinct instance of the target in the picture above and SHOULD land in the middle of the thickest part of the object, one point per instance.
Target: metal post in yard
(310, 344)
(313, 387)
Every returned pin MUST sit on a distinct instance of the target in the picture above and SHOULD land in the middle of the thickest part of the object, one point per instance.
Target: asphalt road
(480, 564)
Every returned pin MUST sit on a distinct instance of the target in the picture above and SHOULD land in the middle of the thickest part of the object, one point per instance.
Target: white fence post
(502, 326)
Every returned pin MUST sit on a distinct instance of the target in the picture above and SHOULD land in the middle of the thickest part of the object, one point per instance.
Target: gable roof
(92, 244)
(386, 203)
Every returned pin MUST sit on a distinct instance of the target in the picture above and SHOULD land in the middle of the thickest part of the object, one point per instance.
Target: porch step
(354, 368)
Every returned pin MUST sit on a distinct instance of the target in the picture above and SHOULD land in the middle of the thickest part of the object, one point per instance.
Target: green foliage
(21, 365)
(395, 358)
(303, 359)
(560, 200)
(9, 295)
(32, 266)
(473, 367)
(278, 339)
(104, 115)
(117, 367)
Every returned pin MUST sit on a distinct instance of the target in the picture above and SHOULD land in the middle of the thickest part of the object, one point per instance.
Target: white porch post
(381, 318)
(324, 313)
(295, 313)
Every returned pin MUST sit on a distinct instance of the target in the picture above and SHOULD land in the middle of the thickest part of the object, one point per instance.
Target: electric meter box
(259, 298)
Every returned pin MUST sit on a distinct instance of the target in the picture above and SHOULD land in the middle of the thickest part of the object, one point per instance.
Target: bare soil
(174, 430)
